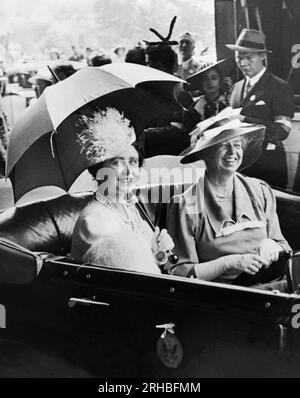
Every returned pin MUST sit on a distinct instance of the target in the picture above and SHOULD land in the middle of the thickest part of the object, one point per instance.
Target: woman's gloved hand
(161, 241)
(269, 250)
(249, 263)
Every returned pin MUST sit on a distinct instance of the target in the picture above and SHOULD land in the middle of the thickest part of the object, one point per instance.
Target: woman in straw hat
(226, 223)
(110, 230)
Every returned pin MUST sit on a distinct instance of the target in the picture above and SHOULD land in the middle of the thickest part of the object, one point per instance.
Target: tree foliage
(104, 23)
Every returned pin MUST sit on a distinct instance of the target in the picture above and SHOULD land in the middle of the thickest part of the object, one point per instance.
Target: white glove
(161, 241)
(249, 263)
(269, 250)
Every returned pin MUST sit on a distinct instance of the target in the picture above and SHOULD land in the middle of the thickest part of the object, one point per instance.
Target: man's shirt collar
(254, 79)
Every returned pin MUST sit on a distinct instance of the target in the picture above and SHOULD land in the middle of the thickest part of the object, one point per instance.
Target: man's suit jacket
(269, 98)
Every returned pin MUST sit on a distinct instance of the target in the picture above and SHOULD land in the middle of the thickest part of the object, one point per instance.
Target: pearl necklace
(221, 197)
(107, 203)
(224, 195)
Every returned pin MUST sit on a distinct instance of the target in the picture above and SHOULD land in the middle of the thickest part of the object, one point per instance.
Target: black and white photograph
(149, 192)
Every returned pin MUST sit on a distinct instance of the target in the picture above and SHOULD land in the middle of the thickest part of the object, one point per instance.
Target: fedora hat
(227, 129)
(225, 66)
(250, 40)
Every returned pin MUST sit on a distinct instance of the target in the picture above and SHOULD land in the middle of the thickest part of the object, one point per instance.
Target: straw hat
(227, 130)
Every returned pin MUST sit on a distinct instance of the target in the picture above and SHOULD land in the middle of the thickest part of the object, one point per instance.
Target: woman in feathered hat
(110, 230)
(226, 224)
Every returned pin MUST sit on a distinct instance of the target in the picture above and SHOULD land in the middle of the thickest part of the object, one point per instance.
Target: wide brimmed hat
(105, 135)
(42, 74)
(225, 66)
(59, 67)
(227, 130)
(250, 40)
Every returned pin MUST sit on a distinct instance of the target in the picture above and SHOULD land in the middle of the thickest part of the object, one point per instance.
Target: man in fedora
(265, 99)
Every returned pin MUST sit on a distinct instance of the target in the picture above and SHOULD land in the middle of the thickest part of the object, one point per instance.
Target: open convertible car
(59, 318)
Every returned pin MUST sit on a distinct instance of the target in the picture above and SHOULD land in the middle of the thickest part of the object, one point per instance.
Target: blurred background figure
(100, 59)
(21, 70)
(162, 56)
(136, 55)
(40, 81)
(44, 78)
(214, 91)
(172, 137)
(3, 78)
(54, 54)
(118, 54)
(76, 55)
(187, 64)
(63, 70)
(89, 53)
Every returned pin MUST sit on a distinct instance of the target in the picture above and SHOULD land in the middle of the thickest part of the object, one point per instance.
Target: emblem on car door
(168, 347)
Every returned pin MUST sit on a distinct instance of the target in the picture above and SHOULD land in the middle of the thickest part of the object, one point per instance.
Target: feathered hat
(106, 135)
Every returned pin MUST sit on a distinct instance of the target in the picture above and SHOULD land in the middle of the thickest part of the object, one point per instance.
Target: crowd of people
(226, 223)
(162, 57)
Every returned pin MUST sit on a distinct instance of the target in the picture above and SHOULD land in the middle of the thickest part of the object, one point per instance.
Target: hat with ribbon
(224, 130)
(250, 40)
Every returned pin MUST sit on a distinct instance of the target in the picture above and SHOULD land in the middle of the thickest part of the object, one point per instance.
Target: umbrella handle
(172, 257)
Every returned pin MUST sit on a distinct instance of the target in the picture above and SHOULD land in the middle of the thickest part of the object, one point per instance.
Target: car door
(115, 323)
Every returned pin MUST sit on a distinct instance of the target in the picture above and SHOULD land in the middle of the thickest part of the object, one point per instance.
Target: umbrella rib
(55, 152)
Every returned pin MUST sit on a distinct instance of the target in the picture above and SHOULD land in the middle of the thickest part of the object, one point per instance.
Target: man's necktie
(247, 89)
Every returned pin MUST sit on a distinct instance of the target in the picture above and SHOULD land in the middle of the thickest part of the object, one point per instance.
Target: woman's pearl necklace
(107, 203)
(222, 196)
